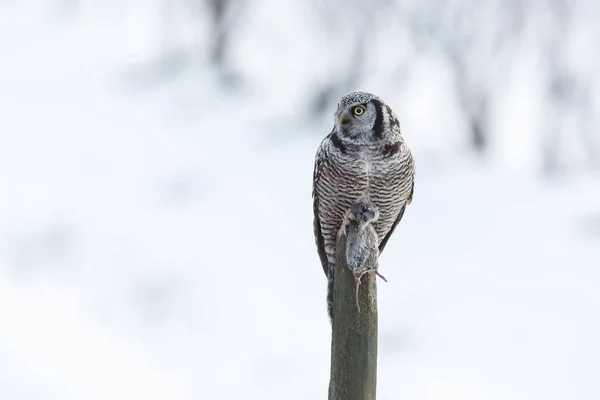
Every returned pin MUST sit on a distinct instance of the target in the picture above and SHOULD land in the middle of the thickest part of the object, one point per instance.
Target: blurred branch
(218, 11)
(472, 36)
(329, 93)
(337, 17)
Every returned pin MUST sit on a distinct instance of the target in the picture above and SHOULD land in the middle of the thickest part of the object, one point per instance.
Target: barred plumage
(363, 158)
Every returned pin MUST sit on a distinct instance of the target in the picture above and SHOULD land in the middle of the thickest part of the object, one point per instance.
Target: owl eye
(358, 110)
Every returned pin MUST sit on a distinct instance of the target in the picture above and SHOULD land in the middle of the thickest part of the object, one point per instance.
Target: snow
(156, 240)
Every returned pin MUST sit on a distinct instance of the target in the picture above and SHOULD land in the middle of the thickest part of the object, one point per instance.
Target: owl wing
(387, 237)
(401, 213)
(320, 241)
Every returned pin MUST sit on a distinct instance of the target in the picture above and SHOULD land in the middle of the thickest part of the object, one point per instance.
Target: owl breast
(383, 188)
(361, 173)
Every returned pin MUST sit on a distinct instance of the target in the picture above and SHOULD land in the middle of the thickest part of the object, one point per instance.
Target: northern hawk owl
(364, 158)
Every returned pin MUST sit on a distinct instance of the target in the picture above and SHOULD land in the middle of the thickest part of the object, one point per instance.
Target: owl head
(364, 213)
(358, 114)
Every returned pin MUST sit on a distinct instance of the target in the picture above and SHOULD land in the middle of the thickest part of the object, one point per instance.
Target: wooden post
(354, 334)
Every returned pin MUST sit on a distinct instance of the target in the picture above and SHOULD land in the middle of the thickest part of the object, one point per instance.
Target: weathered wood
(354, 334)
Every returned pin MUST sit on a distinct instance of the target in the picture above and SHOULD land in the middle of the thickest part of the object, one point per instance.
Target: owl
(364, 158)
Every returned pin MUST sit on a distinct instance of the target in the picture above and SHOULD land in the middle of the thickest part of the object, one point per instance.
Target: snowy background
(155, 196)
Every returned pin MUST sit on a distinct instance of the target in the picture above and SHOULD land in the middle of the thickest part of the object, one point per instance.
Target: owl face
(357, 118)
(364, 213)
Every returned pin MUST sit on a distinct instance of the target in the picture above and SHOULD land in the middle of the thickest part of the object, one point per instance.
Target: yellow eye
(358, 110)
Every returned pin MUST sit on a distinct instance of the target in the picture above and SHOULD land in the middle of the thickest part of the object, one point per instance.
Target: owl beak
(344, 119)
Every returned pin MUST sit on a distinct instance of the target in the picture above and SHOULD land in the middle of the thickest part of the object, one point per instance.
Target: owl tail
(330, 293)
